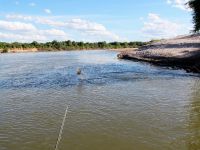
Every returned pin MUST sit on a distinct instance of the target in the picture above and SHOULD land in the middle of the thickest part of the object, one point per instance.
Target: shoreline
(182, 52)
(35, 50)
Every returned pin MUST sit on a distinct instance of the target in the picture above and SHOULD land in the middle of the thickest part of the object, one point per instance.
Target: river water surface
(113, 105)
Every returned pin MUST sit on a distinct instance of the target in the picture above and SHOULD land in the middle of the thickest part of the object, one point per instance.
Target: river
(113, 105)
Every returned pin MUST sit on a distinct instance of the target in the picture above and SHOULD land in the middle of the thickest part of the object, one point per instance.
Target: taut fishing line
(61, 129)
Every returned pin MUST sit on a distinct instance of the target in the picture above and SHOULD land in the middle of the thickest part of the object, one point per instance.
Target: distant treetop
(69, 45)
(195, 6)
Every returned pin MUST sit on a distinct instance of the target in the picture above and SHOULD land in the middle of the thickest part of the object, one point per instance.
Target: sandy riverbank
(124, 49)
(181, 52)
(18, 50)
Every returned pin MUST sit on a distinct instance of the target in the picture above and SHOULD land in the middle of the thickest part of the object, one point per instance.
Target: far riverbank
(17, 50)
(17, 47)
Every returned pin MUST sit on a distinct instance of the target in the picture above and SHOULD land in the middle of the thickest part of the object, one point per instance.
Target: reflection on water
(113, 105)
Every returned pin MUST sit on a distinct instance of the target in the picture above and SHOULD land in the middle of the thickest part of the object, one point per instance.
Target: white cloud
(50, 34)
(36, 35)
(91, 29)
(181, 4)
(32, 4)
(27, 32)
(42, 20)
(16, 2)
(156, 27)
(8, 25)
(48, 11)
(19, 17)
(88, 26)
(53, 32)
(11, 37)
(84, 26)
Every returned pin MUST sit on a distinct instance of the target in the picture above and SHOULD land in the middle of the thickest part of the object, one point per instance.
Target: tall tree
(195, 6)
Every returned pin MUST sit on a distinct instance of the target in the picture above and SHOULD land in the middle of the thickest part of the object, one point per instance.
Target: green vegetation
(195, 6)
(70, 45)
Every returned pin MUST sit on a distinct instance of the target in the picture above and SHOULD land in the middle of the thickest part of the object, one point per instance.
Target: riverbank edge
(39, 50)
(190, 64)
(179, 53)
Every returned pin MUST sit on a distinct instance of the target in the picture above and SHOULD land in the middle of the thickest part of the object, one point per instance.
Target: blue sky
(92, 20)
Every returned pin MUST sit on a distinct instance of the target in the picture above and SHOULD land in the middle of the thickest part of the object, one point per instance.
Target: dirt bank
(181, 52)
(19, 50)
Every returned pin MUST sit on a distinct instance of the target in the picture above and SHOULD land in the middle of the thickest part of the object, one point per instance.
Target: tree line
(68, 45)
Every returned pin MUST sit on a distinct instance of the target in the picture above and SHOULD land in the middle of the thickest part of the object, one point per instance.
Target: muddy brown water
(113, 105)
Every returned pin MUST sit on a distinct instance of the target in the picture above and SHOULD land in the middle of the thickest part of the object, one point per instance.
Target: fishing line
(61, 129)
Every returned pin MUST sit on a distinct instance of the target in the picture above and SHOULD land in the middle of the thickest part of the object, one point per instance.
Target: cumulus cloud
(19, 17)
(37, 35)
(48, 11)
(8, 25)
(27, 32)
(49, 35)
(53, 32)
(42, 20)
(84, 26)
(12, 37)
(91, 29)
(181, 4)
(32, 4)
(16, 2)
(157, 27)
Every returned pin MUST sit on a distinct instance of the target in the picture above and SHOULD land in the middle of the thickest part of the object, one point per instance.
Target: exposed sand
(17, 50)
(182, 51)
(20, 50)
(124, 49)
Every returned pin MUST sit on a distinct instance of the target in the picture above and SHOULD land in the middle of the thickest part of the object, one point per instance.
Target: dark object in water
(78, 72)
